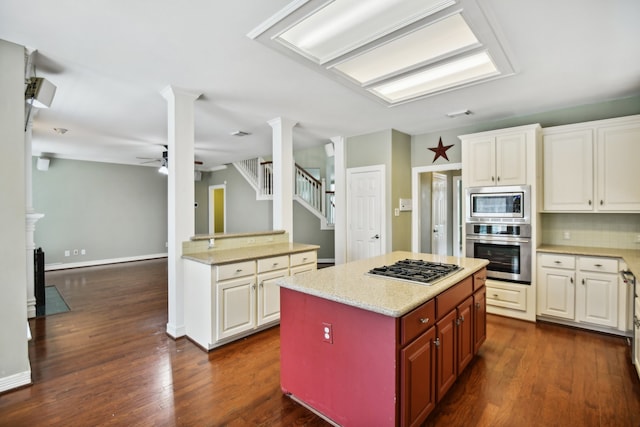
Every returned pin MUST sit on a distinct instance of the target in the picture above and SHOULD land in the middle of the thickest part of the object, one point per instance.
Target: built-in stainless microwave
(505, 204)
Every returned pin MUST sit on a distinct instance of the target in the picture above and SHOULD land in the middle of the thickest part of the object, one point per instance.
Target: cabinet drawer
(479, 277)
(239, 269)
(417, 321)
(557, 261)
(304, 258)
(449, 299)
(507, 296)
(604, 265)
(272, 264)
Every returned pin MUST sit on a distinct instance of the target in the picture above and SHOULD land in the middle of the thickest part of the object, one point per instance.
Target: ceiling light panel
(435, 41)
(454, 73)
(344, 25)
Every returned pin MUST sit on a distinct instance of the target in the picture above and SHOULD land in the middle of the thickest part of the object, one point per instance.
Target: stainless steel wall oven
(498, 228)
(507, 247)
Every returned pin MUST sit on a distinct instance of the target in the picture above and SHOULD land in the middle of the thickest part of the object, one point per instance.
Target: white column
(181, 197)
(340, 171)
(31, 216)
(283, 168)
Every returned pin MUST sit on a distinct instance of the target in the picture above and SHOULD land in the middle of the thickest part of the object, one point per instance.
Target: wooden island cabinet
(362, 354)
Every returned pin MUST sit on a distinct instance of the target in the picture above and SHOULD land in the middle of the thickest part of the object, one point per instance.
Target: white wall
(14, 358)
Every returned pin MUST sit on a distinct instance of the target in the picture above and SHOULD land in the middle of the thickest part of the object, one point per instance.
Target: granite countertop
(630, 256)
(245, 253)
(349, 284)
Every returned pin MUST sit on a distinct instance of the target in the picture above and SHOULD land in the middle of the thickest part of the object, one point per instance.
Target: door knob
(376, 236)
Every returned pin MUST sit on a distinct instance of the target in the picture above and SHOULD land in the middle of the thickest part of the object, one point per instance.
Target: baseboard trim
(326, 260)
(14, 381)
(64, 265)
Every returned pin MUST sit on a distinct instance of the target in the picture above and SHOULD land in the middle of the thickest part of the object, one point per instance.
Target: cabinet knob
(492, 179)
(478, 305)
(589, 202)
(437, 342)
(583, 282)
(597, 265)
(498, 179)
(495, 296)
(601, 202)
(462, 318)
(571, 279)
(424, 320)
(557, 262)
(239, 270)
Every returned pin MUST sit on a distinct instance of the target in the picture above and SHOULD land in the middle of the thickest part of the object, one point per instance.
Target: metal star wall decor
(440, 150)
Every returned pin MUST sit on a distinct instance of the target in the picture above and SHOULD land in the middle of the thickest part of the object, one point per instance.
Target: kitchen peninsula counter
(232, 255)
(351, 285)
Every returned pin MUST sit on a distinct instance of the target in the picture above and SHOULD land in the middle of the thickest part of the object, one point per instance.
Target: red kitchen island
(361, 350)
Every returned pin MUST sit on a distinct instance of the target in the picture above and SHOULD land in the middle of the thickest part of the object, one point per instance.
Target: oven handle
(497, 240)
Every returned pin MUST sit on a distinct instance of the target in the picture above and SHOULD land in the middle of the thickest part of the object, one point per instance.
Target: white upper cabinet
(618, 166)
(592, 166)
(568, 170)
(498, 157)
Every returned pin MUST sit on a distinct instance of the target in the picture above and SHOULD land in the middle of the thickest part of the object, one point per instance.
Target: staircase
(309, 192)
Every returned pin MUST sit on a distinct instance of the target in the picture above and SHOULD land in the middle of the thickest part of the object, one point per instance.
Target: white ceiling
(110, 59)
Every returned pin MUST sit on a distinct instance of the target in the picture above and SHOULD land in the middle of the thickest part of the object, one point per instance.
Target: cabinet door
(597, 299)
(511, 159)
(556, 293)
(479, 318)
(465, 333)
(482, 162)
(269, 296)
(418, 385)
(568, 171)
(236, 306)
(618, 168)
(446, 353)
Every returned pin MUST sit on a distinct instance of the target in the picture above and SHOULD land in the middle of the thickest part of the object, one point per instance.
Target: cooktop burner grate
(415, 270)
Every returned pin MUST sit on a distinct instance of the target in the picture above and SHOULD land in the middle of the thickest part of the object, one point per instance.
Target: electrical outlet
(327, 333)
(566, 235)
(67, 252)
(396, 212)
(75, 252)
(83, 252)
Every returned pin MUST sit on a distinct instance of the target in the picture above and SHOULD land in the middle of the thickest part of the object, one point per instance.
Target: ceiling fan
(164, 160)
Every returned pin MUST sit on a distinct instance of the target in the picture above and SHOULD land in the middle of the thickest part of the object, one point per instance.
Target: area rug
(54, 303)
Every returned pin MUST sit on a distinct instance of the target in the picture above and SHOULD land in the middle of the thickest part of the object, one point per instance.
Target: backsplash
(605, 230)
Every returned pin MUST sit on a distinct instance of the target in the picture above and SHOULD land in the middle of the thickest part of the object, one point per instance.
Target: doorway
(217, 209)
(439, 214)
(365, 213)
(422, 208)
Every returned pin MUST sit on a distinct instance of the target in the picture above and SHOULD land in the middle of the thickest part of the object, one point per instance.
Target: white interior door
(457, 216)
(365, 213)
(439, 214)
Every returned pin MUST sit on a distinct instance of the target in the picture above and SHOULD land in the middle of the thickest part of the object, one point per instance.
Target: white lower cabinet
(236, 306)
(230, 301)
(303, 262)
(556, 286)
(597, 291)
(581, 290)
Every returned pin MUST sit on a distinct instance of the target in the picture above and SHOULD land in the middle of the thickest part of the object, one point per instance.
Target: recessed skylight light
(394, 50)
(343, 25)
(433, 41)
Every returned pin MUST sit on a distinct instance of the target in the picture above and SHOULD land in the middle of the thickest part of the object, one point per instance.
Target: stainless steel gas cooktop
(416, 271)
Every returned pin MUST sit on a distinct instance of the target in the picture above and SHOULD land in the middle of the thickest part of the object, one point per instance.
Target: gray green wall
(422, 156)
(112, 211)
(244, 212)
(393, 150)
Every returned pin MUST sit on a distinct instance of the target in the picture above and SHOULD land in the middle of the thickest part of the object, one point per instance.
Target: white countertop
(351, 285)
(227, 256)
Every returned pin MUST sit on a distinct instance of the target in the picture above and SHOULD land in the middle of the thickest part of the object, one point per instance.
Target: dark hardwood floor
(109, 362)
